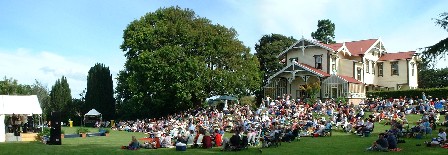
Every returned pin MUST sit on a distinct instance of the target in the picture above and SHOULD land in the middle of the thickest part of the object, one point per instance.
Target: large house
(345, 70)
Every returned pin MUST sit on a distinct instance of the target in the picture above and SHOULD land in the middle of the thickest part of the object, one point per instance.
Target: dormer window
(318, 61)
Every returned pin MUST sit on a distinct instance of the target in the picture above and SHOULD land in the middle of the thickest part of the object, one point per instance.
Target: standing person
(380, 144)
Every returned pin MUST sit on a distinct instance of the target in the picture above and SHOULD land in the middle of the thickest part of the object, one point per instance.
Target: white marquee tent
(12, 104)
(92, 116)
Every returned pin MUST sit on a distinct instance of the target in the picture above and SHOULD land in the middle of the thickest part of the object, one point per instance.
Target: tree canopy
(100, 91)
(440, 49)
(60, 99)
(325, 31)
(175, 59)
(267, 49)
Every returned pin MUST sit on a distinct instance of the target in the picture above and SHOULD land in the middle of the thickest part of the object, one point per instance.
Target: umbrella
(225, 97)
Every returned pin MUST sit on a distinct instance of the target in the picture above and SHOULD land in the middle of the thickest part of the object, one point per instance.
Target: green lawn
(339, 143)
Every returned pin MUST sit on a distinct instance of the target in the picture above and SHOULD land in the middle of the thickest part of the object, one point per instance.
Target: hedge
(415, 93)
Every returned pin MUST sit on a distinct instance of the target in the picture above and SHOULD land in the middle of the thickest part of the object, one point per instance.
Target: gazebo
(91, 117)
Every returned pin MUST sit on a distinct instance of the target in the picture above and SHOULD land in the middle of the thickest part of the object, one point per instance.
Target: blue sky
(44, 39)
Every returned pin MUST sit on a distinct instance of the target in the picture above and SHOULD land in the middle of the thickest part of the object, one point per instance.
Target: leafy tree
(43, 95)
(431, 53)
(60, 99)
(267, 48)
(433, 78)
(100, 91)
(12, 87)
(176, 59)
(324, 32)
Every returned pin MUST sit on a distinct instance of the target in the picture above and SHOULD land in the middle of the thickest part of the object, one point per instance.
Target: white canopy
(12, 104)
(92, 112)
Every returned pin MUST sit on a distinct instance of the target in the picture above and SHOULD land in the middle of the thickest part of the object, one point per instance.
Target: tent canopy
(92, 112)
(224, 97)
(13, 104)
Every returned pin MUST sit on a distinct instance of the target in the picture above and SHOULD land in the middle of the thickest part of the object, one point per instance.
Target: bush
(249, 100)
(82, 130)
(414, 93)
(45, 132)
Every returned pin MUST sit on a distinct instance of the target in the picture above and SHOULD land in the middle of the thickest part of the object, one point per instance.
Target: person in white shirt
(442, 135)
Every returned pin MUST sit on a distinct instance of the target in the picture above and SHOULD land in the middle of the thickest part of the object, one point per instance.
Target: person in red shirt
(218, 138)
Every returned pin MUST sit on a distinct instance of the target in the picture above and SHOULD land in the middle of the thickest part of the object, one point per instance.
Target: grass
(339, 143)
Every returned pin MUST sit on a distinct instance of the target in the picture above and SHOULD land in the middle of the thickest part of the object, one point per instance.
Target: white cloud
(27, 66)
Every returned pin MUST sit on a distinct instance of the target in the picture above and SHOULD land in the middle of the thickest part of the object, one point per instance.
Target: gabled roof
(397, 56)
(303, 40)
(349, 79)
(361, 46)
(354, 48)
(313, 70)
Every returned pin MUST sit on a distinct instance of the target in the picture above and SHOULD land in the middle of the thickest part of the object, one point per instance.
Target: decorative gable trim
(297, 45)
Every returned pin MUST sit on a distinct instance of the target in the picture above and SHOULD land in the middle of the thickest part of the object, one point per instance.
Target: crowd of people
(285, 119)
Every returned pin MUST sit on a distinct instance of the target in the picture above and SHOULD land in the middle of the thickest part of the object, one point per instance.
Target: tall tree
(43, 95)
(440, 49)
(267, 49)
(176, 59)
(325, 31)
(100, 91)
(60, 99)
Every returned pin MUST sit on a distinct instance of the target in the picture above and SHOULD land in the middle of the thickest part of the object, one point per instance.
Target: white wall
(2, 128)
(389, 80)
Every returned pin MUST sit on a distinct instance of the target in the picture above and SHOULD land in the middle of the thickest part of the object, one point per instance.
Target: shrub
(82, 130)
(414, 93)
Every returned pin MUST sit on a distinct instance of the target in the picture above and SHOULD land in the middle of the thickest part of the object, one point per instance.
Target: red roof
(315, 70)
(397, 56)
(334, 46)
(359, 47)
(355, 47)
(349, 79)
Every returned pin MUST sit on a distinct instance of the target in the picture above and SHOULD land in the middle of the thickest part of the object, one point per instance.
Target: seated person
(226, 143)
(391, 140)
(166, 141)
(207, 141)
(441, 136)
(218, 138)
(320, 130)
(134, 144)
(368, 126)
(381, 144)
(235, 140)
